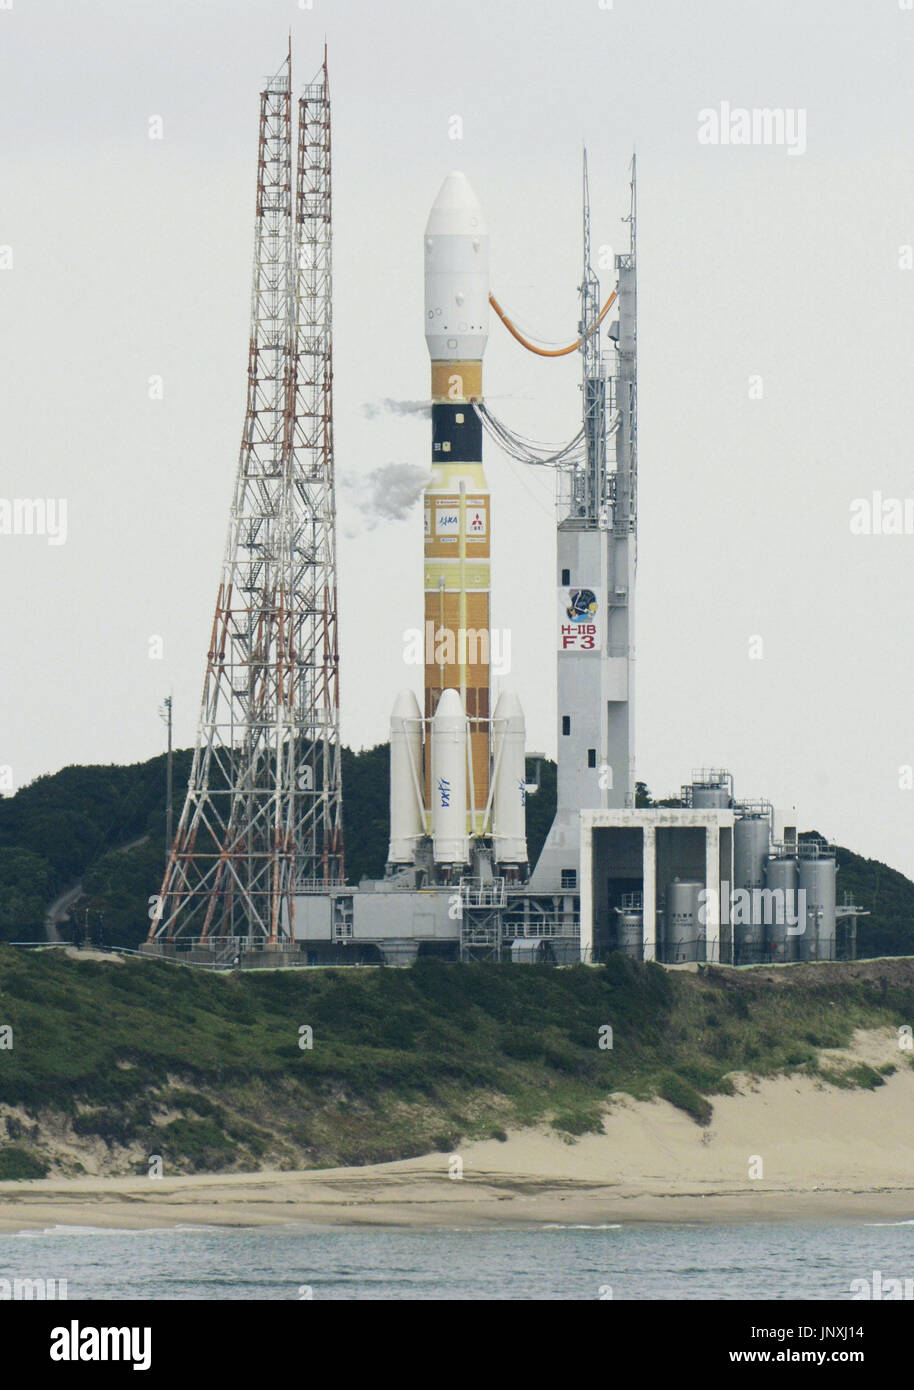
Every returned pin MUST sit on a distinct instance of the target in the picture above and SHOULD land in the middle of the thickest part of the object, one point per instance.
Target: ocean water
(757, 1261)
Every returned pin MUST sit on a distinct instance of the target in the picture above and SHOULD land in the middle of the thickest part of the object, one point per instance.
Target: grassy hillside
(112, 1062)
(72, 827)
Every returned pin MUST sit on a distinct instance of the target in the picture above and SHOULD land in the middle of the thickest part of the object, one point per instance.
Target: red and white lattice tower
(263, 816)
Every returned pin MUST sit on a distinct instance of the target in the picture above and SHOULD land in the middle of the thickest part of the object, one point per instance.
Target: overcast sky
(131, 258)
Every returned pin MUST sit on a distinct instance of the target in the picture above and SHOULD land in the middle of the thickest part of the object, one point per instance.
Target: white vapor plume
(387, 493)
(373, 409)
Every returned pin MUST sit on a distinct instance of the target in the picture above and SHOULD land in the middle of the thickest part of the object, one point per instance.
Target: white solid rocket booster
(407, 821)
(450, 732)
(509, 827)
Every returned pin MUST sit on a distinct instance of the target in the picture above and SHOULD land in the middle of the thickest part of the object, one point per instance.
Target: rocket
(457, 511)
(459, 802)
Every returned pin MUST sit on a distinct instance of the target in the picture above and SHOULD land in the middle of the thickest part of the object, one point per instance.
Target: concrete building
(662, 865)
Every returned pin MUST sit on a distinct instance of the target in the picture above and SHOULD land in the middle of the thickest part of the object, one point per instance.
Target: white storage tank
(710, 797)
(449, 739)
(630, 932)
(684, 930)
(781, 878)
(751, 843)
(751, 835)
(816, 877)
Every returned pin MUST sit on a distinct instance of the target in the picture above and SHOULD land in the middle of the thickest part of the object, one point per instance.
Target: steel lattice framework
(262, 820)
(589, 479)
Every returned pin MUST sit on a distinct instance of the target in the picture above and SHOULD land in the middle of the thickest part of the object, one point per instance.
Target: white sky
(132, 259)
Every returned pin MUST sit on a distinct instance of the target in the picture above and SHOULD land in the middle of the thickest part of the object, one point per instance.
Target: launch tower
(262, 821)
(596, 561)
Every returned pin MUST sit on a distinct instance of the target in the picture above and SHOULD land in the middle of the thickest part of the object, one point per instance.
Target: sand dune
(825, 1153)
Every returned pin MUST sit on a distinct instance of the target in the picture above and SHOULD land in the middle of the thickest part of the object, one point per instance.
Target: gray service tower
(596, 562)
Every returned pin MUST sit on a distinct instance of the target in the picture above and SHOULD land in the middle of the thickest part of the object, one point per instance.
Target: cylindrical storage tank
(509, 815)
(451, 843)
(407, 822)
(684, 930)
(705, 797)
(630, 932)
(751, 836)
(779, 903)
(750, 851)
(817, 880)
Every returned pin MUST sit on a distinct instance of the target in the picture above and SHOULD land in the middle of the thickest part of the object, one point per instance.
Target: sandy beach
(826, 1154)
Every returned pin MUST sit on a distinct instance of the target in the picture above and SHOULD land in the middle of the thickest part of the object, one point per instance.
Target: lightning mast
(320, 848)
(589, 477)
(262, 820)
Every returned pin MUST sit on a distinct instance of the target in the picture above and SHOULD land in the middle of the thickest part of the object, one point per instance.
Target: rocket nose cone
(406, 706)
(507, 706)
(456, 211)
(449, 706)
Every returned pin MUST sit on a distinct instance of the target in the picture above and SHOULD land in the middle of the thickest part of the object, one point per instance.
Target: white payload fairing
(459, 805)
(456, 275)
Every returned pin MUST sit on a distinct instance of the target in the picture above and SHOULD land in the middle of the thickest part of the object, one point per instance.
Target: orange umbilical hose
(547, 352)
